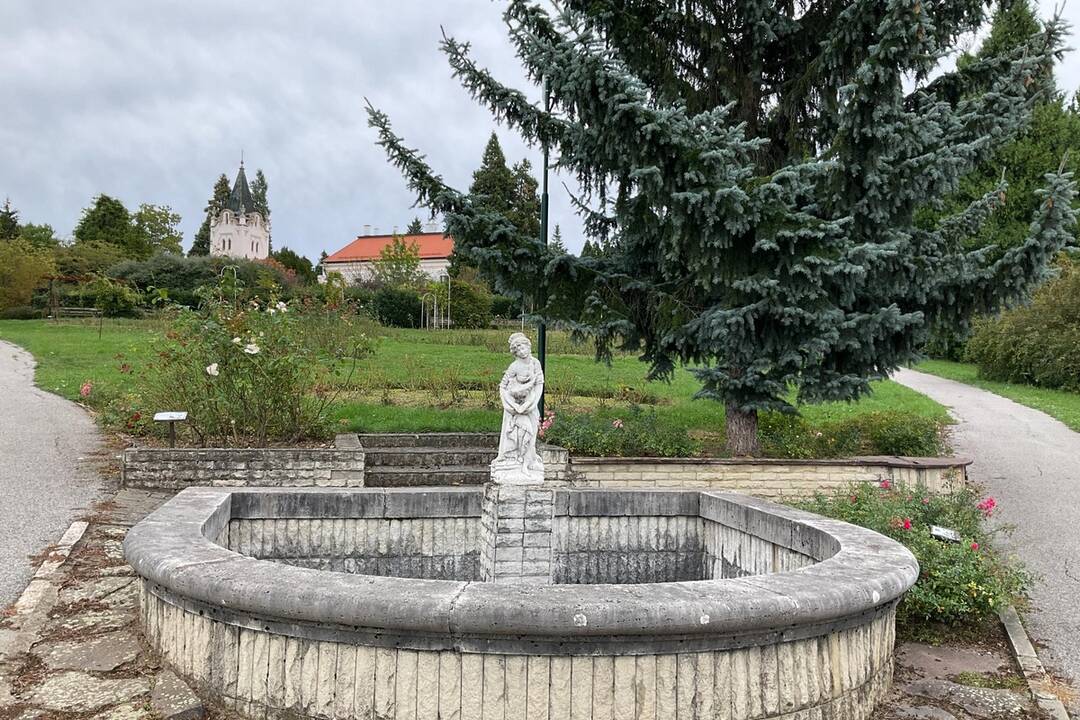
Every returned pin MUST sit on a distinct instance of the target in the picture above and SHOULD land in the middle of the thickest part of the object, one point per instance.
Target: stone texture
(172, 699)
(924, 712)
(128, 711)
(82, 692)
(177, 468)
(979, 702)
(101, 653)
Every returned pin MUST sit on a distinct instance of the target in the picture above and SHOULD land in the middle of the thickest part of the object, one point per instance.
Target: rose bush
(960, 583)
(248, 373)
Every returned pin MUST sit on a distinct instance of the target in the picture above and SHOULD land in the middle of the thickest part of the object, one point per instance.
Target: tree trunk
(742, 437)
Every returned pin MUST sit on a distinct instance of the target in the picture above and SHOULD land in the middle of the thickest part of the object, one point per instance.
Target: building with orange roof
(356, 260)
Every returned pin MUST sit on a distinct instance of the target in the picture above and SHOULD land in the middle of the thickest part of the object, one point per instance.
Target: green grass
(1065, 406)
(425, 381)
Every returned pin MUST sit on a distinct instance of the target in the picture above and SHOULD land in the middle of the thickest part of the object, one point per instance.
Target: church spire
(240, 200)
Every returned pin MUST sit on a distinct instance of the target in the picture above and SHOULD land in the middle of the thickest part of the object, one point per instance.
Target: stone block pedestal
(515, 528)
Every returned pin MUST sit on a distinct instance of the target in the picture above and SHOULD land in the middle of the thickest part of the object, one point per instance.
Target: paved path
(1030, 463)
(43, 484)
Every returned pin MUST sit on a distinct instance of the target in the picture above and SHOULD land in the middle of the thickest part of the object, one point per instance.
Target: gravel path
(43, 484)
(1030, 463)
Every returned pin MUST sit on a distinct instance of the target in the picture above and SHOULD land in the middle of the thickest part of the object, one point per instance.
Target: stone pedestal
(516, 533)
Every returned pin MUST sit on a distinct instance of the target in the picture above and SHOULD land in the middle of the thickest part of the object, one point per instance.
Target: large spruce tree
(753, 171)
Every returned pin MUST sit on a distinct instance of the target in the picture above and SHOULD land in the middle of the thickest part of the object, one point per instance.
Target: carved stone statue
(520, 390)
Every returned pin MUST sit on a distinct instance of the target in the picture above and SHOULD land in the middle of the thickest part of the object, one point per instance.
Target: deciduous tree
(399, 265)
(157, 230)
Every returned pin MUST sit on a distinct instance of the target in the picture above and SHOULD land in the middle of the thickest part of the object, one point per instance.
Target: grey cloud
(149, 101)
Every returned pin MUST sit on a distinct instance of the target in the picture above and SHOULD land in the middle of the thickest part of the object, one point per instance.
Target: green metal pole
(541, 332)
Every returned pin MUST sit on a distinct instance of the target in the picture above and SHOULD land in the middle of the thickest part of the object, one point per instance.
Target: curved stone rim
(867, 572)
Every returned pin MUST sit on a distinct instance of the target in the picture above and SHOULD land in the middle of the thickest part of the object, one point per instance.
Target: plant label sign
(180, 416)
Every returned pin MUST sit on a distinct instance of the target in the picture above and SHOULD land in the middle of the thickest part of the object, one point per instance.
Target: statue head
(520, 346)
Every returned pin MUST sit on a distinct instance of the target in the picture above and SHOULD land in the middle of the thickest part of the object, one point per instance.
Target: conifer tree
(9, 221)
(753, 172)
(415, 227)
(108, 222)
(556, 243)
(220, 196)
(259, 188)
(525, 204)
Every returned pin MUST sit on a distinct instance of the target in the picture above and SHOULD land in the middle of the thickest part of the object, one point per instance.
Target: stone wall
(772, 479)
(282, 641)
(178, 468)
(837, 676)
(344, 466)
(435, 548)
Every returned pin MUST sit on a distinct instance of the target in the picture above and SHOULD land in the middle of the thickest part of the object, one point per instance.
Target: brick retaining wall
(775, 479)
(177, 468)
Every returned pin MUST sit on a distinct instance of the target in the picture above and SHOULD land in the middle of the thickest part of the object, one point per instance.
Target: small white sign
(944, 533)
(170, 416)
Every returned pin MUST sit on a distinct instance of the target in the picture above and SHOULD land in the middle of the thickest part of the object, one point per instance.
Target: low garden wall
(154, 468)
(344, 466)
(768, 478)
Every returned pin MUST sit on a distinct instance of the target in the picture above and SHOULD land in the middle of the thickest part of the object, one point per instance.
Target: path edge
(1028, 660)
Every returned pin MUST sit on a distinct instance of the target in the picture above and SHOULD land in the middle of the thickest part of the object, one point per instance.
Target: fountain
(522, 599)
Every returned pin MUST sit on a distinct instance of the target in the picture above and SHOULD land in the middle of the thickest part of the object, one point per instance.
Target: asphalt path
(1030, 463)
(44, 482)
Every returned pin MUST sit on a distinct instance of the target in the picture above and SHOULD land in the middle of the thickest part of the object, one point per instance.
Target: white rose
(212, 370)
(251, 349)
(282, 306)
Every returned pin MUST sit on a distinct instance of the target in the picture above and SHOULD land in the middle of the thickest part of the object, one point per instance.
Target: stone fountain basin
(738, 577)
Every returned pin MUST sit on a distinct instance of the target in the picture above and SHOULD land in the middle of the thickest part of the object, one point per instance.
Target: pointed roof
(240, 198)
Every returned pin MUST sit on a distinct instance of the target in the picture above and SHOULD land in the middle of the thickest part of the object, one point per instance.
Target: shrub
(878, 433)
(22, 268)
(181, 277)
(505, 307)
(470, 305)
(637, 433)
(250, 374)
(1036, 344)
(397, 307)
(959, 583)
(20, 312)
(114, 299)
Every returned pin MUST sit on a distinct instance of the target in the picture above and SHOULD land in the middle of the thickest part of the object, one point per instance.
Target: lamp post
(541, 331)
(447, 277)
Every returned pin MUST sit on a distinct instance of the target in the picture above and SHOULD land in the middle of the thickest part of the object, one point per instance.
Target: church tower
(240, 231)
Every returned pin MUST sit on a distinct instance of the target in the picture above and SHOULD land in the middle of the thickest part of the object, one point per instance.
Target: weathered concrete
(172, 699)
(45, 478)
(101, 653)
(82, 692)
(1027, 461)
(979, 702)
(818, 641)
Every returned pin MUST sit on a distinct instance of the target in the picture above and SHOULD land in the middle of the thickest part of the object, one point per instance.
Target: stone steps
(458, 441)
(427, 457)
(412, 476)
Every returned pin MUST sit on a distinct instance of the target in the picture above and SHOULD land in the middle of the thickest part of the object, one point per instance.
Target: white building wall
(245, 236)
(434, 268)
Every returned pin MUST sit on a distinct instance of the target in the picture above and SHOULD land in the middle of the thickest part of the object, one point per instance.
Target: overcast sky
(151, 101)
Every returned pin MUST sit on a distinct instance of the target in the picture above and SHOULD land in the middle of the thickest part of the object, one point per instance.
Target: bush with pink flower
(960, 583)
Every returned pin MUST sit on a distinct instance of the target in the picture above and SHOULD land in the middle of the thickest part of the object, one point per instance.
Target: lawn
(1065, 406)
(427, 380)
